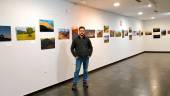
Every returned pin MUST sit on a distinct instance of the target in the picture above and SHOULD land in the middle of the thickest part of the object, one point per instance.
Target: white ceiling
(131, 7)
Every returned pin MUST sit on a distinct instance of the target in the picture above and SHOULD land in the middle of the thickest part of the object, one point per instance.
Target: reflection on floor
(144, 75)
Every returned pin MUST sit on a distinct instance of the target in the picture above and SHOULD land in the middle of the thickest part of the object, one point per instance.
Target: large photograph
(5, 33)
(25, 33)
(46, 26)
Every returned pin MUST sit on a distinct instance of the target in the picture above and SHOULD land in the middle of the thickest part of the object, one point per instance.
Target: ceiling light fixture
(152, 17)
(140, 13)
(83, 1)
(149, 5)
(116, 4)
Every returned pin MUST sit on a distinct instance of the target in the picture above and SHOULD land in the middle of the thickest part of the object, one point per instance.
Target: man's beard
(82, 35)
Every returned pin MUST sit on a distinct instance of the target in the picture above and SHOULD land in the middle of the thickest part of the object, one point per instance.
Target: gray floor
(147, 74)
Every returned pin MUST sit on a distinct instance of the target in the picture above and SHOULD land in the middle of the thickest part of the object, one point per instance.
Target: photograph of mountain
(47, 43)
(64, 34)
(90, 33)
(99, 33)
(46, 26)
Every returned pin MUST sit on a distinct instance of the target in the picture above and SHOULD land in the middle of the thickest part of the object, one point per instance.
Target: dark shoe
(85, 85)
(74, 87)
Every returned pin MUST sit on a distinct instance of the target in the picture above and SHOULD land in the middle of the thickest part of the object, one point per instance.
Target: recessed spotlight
(116, 4)
(140, 13)
(168, 13)
(149, 5)
(152, 17)
(83, 1)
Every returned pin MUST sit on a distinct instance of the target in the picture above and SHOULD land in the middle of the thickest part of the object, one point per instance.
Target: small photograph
(106, 39)
(99, 33)
(74, 31)
(126, 32)
(163, 32)
(90, 33)
(5, 33)
(123, 33)
(106, 29)
(134, 33)
(141, 33)
(148, 33)
(112, 32)
(156, 29)
(156, 36)
(130, 29)
(168, 31)
(137, 33)
(64, 34)
(130, 37)
(118, 34)
(47, 43)
(25, 33)
(46, 26)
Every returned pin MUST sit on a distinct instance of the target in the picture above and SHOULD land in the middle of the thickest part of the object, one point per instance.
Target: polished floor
(147, 74)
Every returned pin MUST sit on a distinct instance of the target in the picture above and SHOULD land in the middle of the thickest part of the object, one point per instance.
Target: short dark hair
(82, 27)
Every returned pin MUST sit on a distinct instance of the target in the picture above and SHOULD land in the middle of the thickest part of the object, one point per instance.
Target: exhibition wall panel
(157, 44)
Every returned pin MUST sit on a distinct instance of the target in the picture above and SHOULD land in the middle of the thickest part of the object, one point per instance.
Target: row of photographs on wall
(158, 32)
(28, 33)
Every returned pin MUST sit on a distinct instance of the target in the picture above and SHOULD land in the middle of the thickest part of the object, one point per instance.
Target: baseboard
(156, 51)
(58, 84)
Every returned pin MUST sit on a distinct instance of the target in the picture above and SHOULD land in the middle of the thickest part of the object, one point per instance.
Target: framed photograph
(112, 33)
(106, 38)
(90, 33)
(64, 34)
(25, 33)
(156, 36)
(46, 26)
(75, 30)
(163, 32)
(156, 30)
(130, 37)
(5, 33)
(47, 43)
(106, 29)
(99, 33)
(148, 33)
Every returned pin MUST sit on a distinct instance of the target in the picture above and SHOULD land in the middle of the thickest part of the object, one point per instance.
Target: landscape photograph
(5, 33)
(25, 33)
(46, 26)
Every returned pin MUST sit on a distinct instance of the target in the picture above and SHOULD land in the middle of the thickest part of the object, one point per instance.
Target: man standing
(81, 49)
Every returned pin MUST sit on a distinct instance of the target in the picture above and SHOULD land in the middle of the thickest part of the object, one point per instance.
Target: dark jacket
(81, 47)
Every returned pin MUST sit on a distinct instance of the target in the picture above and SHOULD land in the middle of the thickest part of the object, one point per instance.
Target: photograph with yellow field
(25, 33)
(46, 26)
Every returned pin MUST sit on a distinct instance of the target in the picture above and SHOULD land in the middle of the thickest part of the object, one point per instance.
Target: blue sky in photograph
(6, 31)
(48, 21)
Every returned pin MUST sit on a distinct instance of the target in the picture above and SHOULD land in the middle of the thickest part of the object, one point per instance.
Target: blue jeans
(79, 61)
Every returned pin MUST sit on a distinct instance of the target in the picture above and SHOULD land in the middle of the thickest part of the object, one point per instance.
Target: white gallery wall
(161, 44)
(25, 68)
